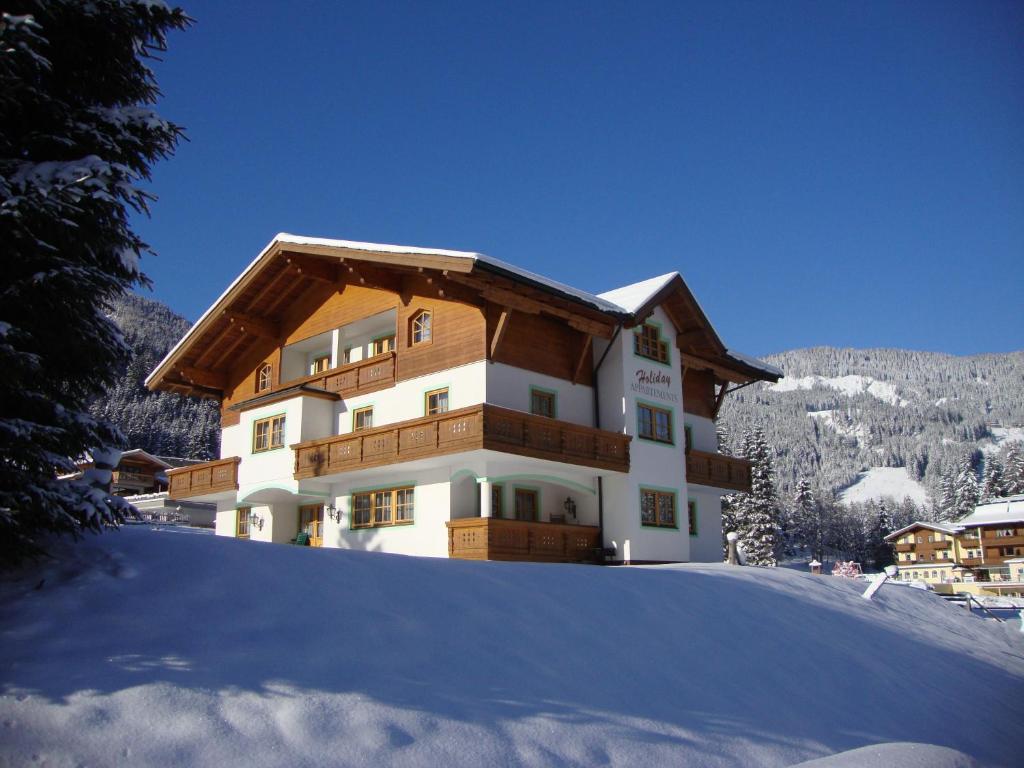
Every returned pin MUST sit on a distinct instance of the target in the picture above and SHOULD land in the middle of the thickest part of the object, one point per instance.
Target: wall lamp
(570, 507)
(255, 521)
(333, 512)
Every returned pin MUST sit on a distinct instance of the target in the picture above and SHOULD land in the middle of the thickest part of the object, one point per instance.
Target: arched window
(421, 326)
(264, 377)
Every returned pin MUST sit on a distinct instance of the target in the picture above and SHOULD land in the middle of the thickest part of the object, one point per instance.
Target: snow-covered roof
(632, 297)
(943, 527)
(623, 303)
(1008, 510)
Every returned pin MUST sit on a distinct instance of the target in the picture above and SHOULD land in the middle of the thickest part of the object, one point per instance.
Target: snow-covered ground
(884, 482)
(169, 648)
(856, 431)
(849, 385)
(1001, 436)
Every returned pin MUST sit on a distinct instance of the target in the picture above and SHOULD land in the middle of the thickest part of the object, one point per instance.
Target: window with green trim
(688, 436)
(542, 403)
(654, 423)
(362, 418)
(388, 506)
(647, 342)
(242, 522)
(657, 508)
(436, 401)
(268, 434)
(691, 512)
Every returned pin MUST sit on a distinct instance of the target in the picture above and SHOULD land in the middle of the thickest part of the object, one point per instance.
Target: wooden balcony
(718, 471)
(494, 538)
(137, 479)
(904, 547)
(467, 429)
(203, 479)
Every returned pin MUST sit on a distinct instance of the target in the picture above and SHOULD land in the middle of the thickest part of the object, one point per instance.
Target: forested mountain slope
(840, 412)
(158, 422)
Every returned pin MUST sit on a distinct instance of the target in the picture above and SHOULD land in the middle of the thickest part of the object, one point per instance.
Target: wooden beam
(499, 331)
(314, 269)
(254, 325)
(266, 290)
(700, 364)
(588, 342)
(229, 349)
(719, 399)
(202, 377)
(212, 344)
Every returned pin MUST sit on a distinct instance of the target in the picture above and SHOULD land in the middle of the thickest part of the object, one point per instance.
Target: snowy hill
(840, 413)
(169, 648)
(884, 483)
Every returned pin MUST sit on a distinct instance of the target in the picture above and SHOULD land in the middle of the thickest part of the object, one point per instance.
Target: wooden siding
(493, 538)
(458, 333)
(477, 427)
(699, 393)
(718, 471)
(543, 344)
(202, 479)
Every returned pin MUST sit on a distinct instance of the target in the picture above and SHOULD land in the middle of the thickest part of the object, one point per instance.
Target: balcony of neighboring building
(209, 481)
(477, 427)
(717, 471)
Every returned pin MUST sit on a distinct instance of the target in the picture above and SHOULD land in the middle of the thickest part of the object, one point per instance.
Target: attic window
(264, 377)
(647, 342)
(421, 327)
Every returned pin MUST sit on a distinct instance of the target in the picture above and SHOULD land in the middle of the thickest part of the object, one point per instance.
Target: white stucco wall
(705, 438)
(509, 387)
(466, 386)
(654, 465)
(706, 546)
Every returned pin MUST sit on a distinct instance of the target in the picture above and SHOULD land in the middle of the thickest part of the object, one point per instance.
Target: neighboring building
(159, 508)
(979, 547)
(137, 472)
(443, 403)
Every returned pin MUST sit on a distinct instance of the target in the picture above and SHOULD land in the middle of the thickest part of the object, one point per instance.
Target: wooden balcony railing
(904, 547)
(127, 477)
(718, 471)
(467, 429)
(202, 479)
(495, 538)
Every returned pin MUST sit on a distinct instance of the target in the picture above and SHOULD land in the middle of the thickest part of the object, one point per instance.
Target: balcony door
(311, 522)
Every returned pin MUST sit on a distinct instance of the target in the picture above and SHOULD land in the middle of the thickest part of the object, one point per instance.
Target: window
(691, 509)
(657, 508)
(242, 522)
(346, 356)
(264, 377)
(542, 402)
(320, 364)
(647, 342)
(383, 344)
(497, 496)
(436, 401)
(688, 437)
(376, 509)
(527, 504)
(919, 541)
(362, 418)
(268, 434)
(654, 423)
(421, 327)
(1003, 533)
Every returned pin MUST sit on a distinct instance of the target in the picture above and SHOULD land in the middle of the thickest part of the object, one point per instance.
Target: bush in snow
(76, 138)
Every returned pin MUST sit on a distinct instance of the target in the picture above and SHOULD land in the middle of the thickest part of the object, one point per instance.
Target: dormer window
(647, 342)
(264, 377)
(421, 327)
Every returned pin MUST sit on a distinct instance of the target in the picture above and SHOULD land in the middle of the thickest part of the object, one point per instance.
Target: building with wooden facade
(979, 547)
(443, 403)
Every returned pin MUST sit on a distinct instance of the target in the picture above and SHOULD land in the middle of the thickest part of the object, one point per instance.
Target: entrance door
(311, 522)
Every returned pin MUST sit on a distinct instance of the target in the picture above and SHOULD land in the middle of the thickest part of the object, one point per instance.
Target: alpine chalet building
(443, 403)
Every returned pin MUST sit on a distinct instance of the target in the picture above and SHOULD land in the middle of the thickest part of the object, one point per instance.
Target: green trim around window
(270, 434)
(671, 424)
(388, 487)
(425, 392)
(352, 416)
(540, 498)
(661, 336)
(691, 518)
(545, 391)
(688, 437)
(675, 506)
(504, 507)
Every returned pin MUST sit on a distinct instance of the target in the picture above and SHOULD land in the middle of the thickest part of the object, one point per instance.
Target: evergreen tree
(880, 551)
(755, 515)
(1013, 482)
(809, 524)
(965, 488)
(992, 479)
(76, 137)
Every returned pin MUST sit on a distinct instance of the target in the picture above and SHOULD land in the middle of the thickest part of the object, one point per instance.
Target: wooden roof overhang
(251, 309)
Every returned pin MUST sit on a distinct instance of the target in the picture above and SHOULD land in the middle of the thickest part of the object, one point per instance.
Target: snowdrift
(173, 648)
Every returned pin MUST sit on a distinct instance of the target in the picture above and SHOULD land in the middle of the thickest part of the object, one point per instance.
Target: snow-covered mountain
(159, 422)
(849, 419)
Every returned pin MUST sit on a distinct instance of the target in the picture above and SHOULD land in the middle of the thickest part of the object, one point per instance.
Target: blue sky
(849, 174)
